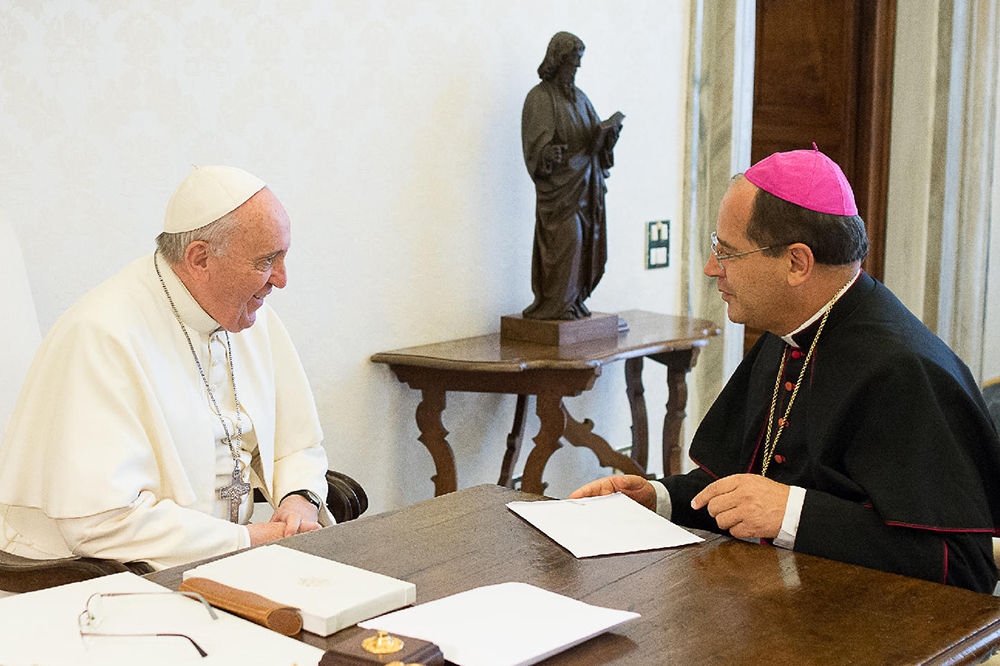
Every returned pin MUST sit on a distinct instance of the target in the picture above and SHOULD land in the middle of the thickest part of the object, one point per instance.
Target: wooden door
(823, 73)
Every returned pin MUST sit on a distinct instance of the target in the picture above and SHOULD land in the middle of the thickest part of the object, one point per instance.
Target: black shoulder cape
(888, 424)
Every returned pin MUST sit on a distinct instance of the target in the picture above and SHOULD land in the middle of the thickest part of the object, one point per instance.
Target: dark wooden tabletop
(649, 333)
(722, 601)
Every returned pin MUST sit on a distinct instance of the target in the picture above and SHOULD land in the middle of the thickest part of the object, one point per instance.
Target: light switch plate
(657, 244)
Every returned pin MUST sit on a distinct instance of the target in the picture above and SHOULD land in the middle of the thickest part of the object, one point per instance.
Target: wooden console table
(485, 364)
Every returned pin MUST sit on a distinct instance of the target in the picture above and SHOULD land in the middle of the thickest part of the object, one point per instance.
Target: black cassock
(889, 435)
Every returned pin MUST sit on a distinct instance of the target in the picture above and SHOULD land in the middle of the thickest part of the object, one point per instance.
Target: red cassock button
(796, 354)
(789, 386)
(779, 458)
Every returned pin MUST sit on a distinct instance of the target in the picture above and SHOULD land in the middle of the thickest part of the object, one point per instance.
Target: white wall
(391, 132)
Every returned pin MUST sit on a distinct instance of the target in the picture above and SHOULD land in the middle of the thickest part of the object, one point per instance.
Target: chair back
(20, 335)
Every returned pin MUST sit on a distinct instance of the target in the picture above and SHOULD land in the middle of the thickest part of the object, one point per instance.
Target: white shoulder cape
(113, 405)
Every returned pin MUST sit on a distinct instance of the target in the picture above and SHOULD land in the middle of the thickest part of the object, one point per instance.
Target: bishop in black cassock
(888, 434)
(856, 434)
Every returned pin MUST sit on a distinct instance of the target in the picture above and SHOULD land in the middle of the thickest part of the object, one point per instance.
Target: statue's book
(605, 127)
(330, 595)
(614, 121)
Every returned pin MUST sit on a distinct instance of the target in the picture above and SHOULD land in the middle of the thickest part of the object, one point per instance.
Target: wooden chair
(23, 574)
(345, 498)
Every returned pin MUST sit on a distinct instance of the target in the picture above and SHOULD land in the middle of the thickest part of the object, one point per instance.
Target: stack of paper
(42, 628)
(330, 595)
(511, 624)
(603, 525)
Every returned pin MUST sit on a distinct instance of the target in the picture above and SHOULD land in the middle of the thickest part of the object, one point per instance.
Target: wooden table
(722, 601)
(487, 364)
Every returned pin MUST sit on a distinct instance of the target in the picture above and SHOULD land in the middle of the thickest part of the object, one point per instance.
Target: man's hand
(264, 532)
(630, 485)
(747, 505)
(294, 515)
(297, 514)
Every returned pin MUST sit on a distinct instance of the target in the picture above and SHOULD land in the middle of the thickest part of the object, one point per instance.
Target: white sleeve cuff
(243, 538)
(159, 532)
(790, 522)
(663, 505)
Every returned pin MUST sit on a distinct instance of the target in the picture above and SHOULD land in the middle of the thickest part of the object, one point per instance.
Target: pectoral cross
(235, 492)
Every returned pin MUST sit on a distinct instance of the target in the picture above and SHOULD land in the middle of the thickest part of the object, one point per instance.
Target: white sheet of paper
(42, 628)
(603, 525)
(511, 624)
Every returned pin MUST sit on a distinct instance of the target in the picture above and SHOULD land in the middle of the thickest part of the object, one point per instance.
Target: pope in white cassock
(157, 400)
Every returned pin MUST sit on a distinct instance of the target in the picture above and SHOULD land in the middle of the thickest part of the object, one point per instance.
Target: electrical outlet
(657, 244)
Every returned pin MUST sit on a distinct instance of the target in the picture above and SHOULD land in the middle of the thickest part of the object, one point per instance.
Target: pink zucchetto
(807, 178)
(207, 194)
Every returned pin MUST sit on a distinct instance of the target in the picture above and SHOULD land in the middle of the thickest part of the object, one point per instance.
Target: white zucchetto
(207, 194)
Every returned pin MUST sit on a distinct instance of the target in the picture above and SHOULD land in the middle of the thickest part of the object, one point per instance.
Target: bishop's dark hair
(833, 239)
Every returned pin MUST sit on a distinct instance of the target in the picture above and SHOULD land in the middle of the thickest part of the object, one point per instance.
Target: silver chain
(211, 396)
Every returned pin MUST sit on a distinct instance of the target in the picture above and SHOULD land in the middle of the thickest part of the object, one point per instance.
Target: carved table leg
(432, 435)
(580, 433)
(637, 402)
(678, 363)
(514, 440)
(553, 417)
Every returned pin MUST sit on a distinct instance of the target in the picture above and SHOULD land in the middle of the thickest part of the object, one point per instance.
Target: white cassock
(114, 450)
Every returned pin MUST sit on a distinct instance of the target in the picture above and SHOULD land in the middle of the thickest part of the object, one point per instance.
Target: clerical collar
(190, 312)
(790, 337)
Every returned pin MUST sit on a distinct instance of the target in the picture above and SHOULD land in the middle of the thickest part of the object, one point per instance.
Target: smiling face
(752, 285)
(237, 280)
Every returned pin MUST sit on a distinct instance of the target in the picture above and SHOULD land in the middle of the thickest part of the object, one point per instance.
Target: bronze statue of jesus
(568, 152)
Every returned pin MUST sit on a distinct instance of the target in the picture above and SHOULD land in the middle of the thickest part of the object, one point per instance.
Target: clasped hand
(294, 515)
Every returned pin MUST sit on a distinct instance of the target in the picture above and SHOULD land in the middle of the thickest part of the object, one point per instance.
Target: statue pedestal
(559, 331)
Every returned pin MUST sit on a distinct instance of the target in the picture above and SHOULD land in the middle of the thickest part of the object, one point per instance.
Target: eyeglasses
(95, 611)
(720, 257)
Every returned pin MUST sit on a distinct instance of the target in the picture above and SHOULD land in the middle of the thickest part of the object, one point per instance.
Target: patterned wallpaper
(390, 131)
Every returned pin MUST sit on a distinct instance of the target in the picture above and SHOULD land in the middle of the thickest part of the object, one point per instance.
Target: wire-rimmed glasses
(94, 613)
(720, 257)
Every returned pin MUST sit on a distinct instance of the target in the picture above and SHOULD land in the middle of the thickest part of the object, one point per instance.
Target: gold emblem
(382, 643)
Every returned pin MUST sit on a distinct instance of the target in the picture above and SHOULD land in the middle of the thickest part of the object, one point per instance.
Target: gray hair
(217, 234)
